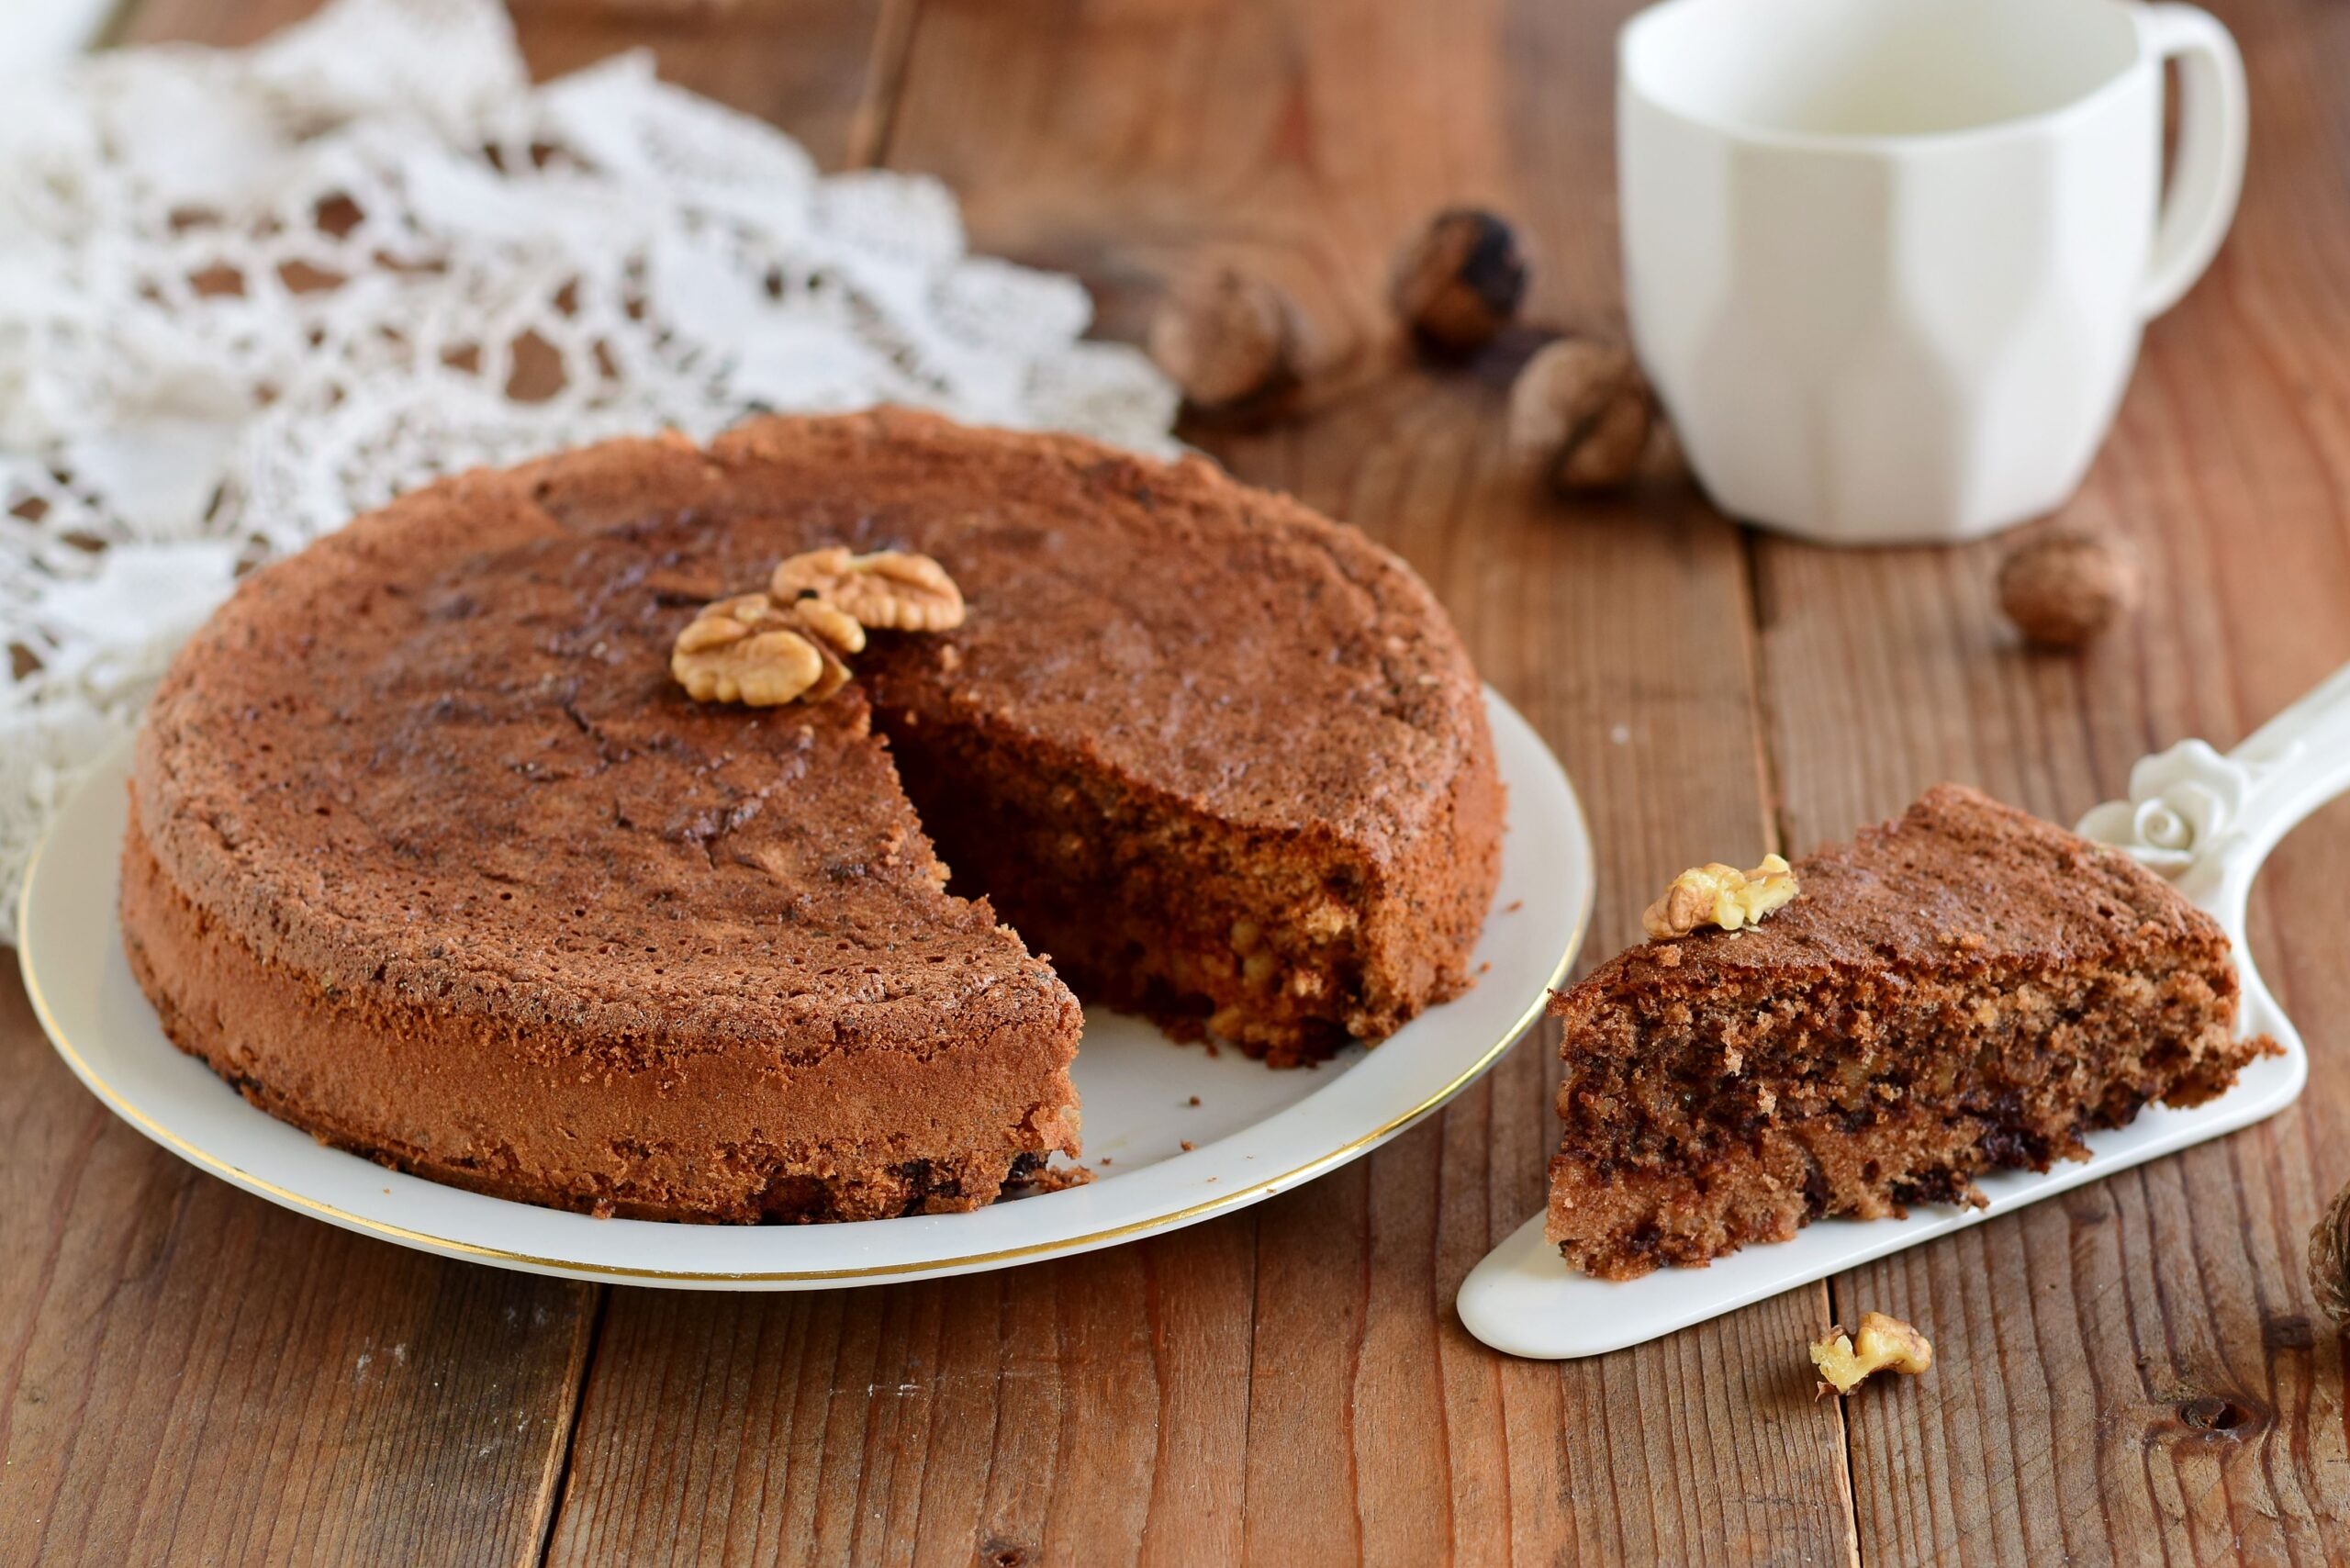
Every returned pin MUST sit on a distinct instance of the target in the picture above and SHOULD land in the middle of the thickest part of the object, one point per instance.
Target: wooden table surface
(2130, 1371)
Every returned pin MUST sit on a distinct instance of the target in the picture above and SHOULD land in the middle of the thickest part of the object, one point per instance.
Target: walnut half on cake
(1962, 988)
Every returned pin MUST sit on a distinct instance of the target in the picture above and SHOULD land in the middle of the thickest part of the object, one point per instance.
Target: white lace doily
(246, 294)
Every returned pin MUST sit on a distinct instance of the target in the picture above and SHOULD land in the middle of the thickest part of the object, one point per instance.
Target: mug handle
(2209, 168)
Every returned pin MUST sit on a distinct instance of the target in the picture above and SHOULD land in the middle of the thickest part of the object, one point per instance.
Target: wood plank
(191, 1374)
(2134, 1370)
(994, 1416)
(1307, 1391)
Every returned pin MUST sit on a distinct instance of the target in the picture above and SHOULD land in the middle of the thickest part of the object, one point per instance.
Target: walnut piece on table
(1884, 1344)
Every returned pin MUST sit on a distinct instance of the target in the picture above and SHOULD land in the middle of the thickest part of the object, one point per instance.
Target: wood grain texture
(2134, 1371)
(1290, 1385)
(1006, 1415)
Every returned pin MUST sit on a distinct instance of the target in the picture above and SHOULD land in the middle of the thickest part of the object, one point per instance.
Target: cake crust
(430, 855)
(1962, 988)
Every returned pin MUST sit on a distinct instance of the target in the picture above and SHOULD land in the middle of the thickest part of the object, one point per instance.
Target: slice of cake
(1962, 988)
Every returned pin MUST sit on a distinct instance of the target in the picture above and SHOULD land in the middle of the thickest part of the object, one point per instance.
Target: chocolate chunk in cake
(1962, 988)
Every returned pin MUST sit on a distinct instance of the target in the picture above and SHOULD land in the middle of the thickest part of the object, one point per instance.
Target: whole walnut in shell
(2330, 1260)
(2064, 589)
(1580, 414)
(1461, 281)
(1228, 341)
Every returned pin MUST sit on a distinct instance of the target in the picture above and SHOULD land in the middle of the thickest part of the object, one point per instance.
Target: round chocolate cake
(430, 855)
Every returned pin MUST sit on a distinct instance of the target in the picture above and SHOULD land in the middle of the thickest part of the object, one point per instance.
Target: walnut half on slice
(749, 649)
(889, 590)
(1716, 894)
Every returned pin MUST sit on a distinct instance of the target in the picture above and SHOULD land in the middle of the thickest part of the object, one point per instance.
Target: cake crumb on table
(1194, 1100)
(1188, 1146)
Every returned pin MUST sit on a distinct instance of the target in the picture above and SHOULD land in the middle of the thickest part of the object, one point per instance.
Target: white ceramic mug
(1887, 260)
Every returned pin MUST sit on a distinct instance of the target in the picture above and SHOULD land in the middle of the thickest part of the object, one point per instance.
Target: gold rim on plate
(450, 1246)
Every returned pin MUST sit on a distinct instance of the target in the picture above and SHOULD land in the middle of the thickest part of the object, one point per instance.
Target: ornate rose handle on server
(2206, 821)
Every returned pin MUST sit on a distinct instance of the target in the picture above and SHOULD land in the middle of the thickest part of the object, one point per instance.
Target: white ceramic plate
(2204, 819)
(1254, 1131)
